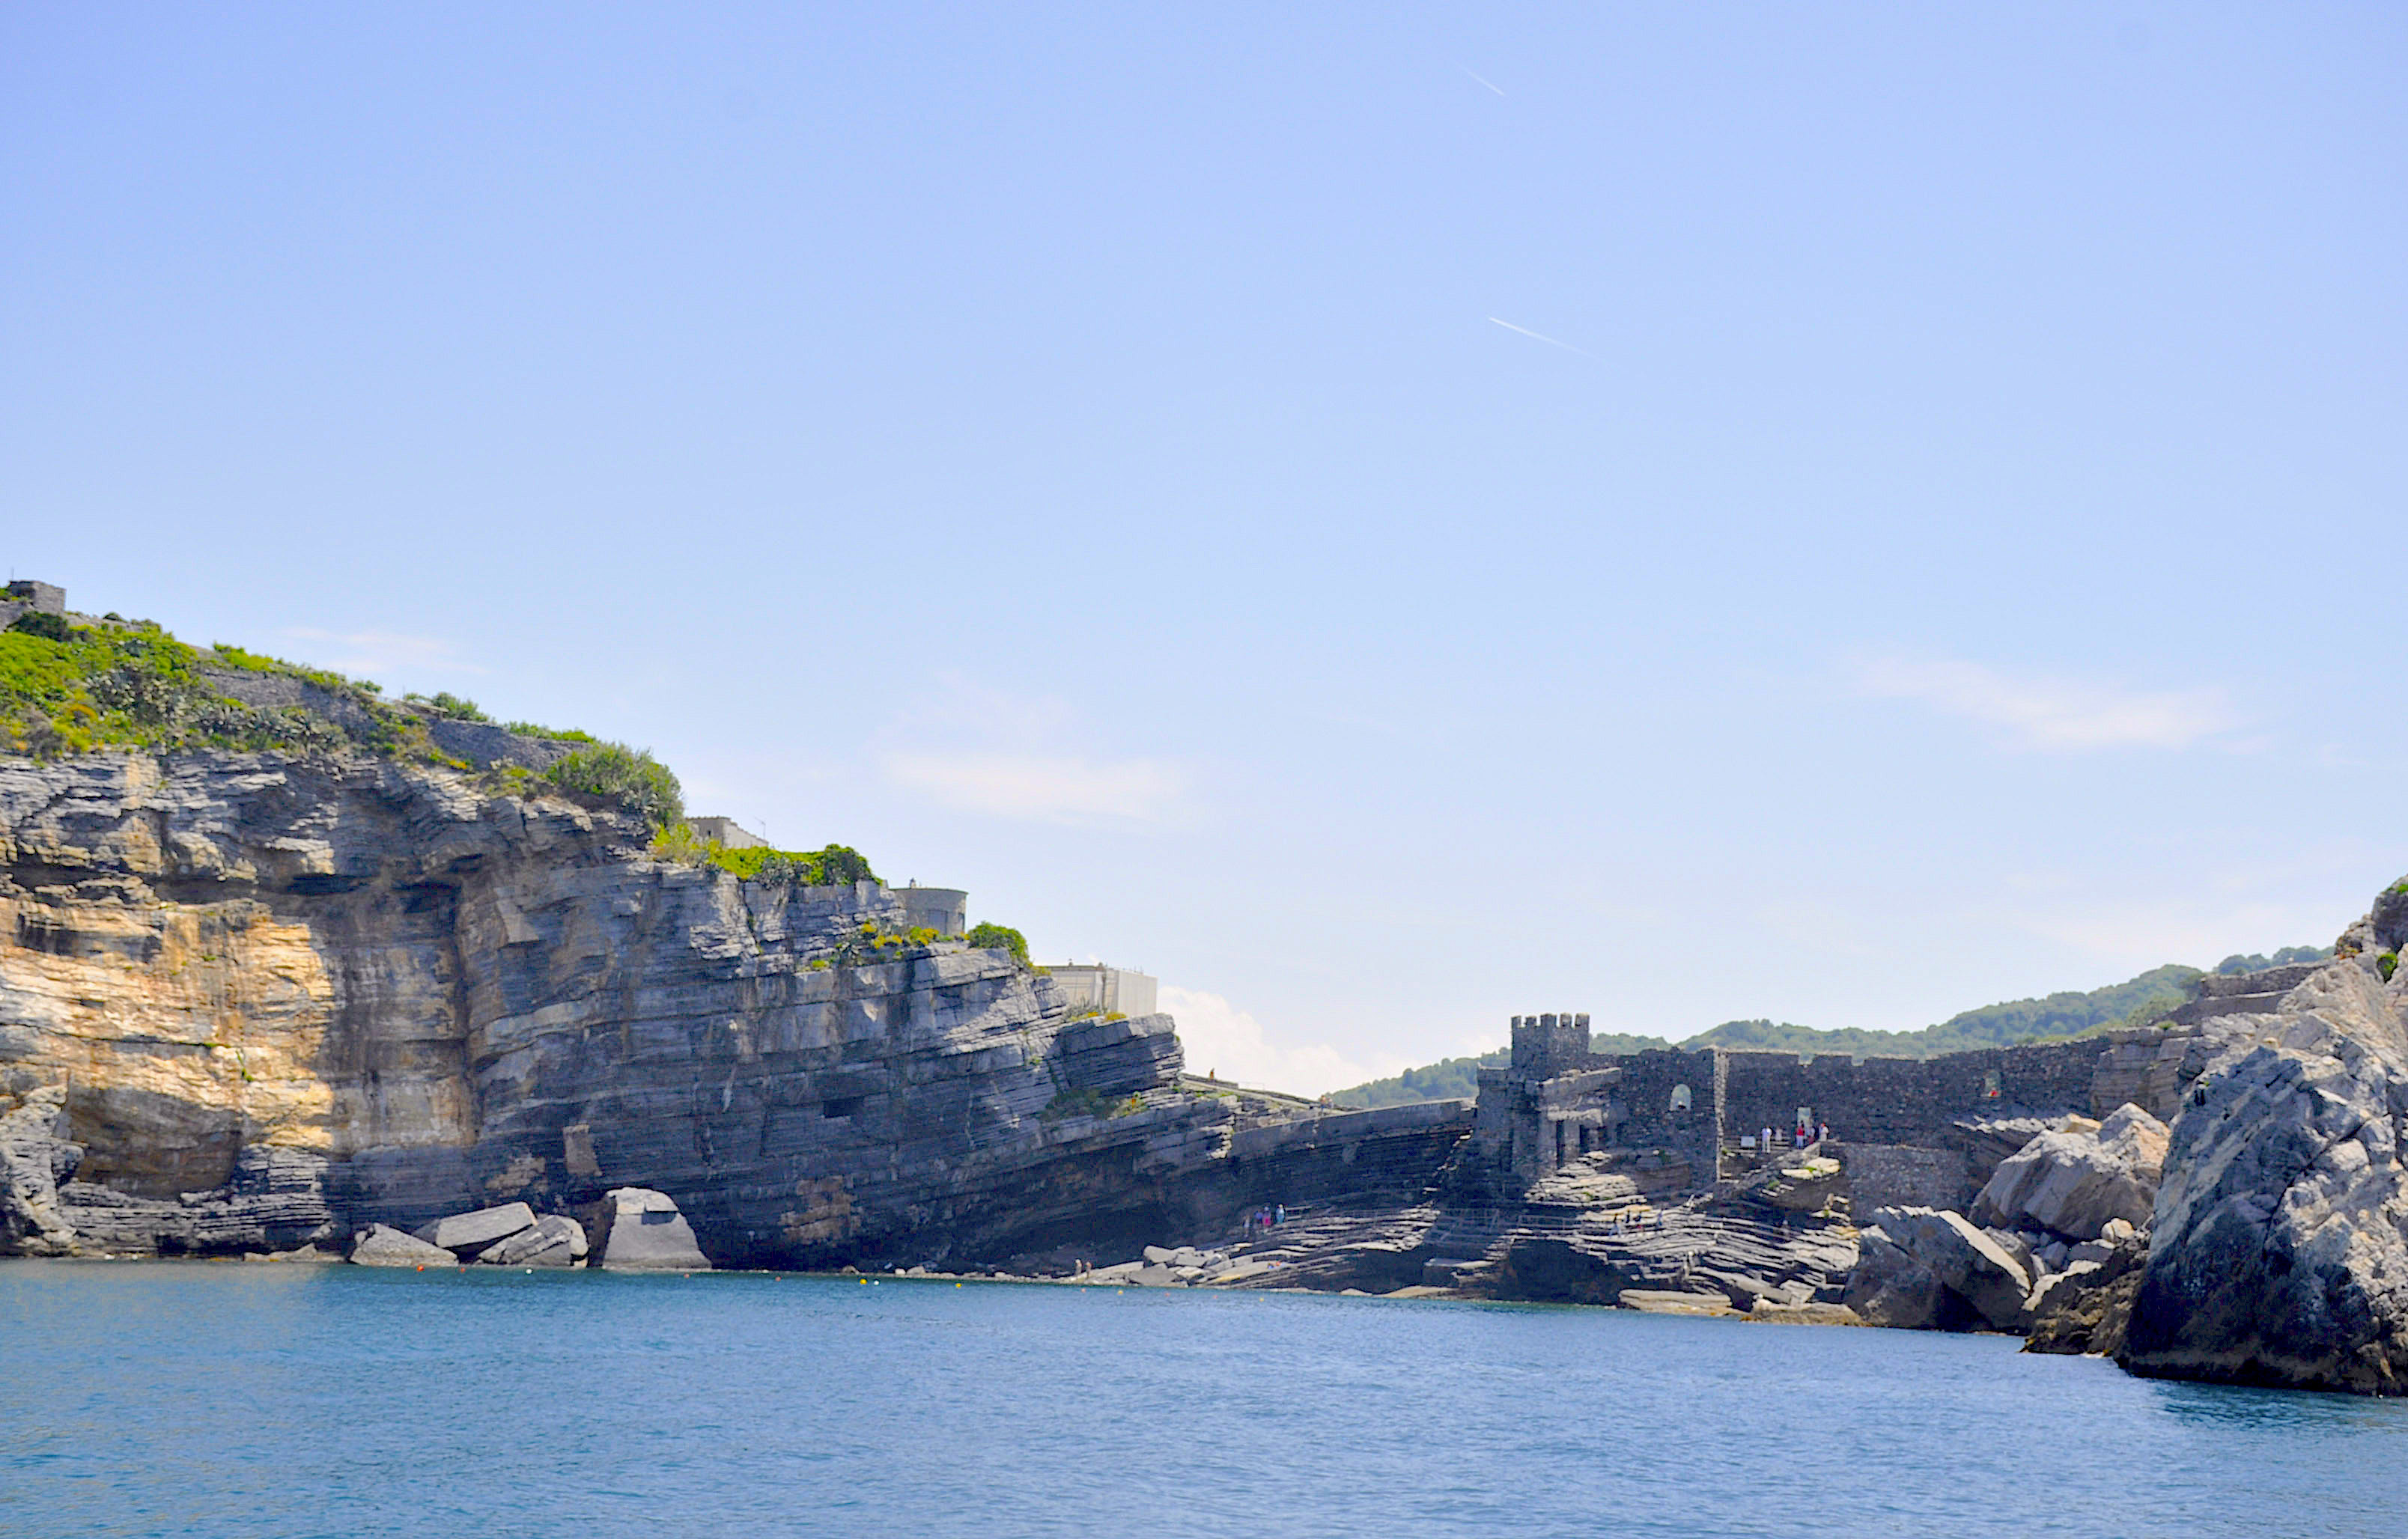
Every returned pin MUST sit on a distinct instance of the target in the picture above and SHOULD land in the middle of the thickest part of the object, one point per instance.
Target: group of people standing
(1267, 1218)
(1801, 1135)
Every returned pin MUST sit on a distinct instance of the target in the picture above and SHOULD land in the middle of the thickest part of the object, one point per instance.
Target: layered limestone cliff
(250, 999)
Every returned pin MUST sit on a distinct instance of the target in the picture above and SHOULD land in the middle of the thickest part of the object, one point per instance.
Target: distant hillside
(2135, 1000)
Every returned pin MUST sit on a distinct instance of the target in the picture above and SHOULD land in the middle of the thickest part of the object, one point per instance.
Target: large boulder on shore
(552, 1241)
(2280, 1247)
(2078, 1179)
(381, 1245)
(1910, 1251)
(466, 1233)
(640, 1230)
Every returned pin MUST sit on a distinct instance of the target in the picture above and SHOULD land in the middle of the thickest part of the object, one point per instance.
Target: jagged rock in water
(2279, 1251)
(1963, 1261)
(34, 1159)
(550, 1241)
(2077, 1180)
(2087, 1306)
(466, 1233)
(381, 1245)
(641, 1230)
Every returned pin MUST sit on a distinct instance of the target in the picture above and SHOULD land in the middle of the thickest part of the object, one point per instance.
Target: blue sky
(1941, 543)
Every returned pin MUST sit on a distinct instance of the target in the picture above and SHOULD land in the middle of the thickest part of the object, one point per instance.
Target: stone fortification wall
(1647, 1113)
(1901, 1100)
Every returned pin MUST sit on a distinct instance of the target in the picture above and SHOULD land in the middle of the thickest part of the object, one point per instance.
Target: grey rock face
(2279, 1248)
(34, 1159)
(2077, 1180)
(381, 1245)
(2087, 1306)
(469, 1233)
(641, 1230)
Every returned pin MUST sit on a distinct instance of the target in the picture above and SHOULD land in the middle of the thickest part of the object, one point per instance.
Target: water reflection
(2225, 1405)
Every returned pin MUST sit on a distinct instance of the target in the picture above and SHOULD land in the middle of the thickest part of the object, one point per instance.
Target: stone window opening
(1680, 1098)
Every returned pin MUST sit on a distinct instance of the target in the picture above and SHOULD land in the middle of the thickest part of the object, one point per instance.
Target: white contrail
(1483, 79)
(1548, 340)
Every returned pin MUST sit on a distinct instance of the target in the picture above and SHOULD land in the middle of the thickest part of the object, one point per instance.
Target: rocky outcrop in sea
(2279, 1245)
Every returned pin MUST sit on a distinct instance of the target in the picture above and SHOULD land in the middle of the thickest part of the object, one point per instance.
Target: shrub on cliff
(134, 686)
(1000, 937)
(838, 866)
(630, 776)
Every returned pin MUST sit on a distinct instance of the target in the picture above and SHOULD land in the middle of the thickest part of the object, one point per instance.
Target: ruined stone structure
(1557, 1102)
(1107, 991)
(24, 597)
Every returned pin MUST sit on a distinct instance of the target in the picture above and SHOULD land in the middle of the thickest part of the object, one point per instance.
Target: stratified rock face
(2077, 1180)
(2279, 1251)
(440, 999)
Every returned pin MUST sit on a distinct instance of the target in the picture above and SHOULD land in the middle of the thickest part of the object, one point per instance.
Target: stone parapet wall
(1901, 1100)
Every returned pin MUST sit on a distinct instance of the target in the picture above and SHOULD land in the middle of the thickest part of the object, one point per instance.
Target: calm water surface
(198, 1399)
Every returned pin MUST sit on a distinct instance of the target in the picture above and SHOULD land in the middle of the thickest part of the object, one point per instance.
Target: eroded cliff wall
(256, 983)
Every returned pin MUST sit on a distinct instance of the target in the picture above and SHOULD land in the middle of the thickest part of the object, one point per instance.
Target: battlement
(1547, 1045)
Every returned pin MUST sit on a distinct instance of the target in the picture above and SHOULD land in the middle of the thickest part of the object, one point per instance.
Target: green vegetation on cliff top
(76, 689)
(2135, 1001)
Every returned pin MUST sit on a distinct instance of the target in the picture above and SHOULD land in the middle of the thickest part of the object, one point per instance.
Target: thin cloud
(2055, 715)
(1548, 340)
(1044, 788)
(1220, 1038)
(1491, 85)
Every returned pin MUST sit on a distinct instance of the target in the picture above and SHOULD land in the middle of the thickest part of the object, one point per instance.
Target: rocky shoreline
(272, 1005)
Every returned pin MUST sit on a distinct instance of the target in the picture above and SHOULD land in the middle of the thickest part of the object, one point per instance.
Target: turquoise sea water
(230, 1399)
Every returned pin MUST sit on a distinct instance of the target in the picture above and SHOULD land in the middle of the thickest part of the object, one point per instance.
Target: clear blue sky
(1947, 544)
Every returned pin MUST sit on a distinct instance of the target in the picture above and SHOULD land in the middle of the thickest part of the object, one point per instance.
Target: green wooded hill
(2135, 1000)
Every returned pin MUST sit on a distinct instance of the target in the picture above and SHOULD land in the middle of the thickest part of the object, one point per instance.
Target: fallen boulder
(551, 1241)
(1965, 1261)
(1890, 1287)
(381, 1245)
(468, 1233)
(641, 1230)
(2078, 1180)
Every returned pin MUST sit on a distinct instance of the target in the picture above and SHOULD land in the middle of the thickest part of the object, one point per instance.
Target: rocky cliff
(250, 1000)
(2279, 1247)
